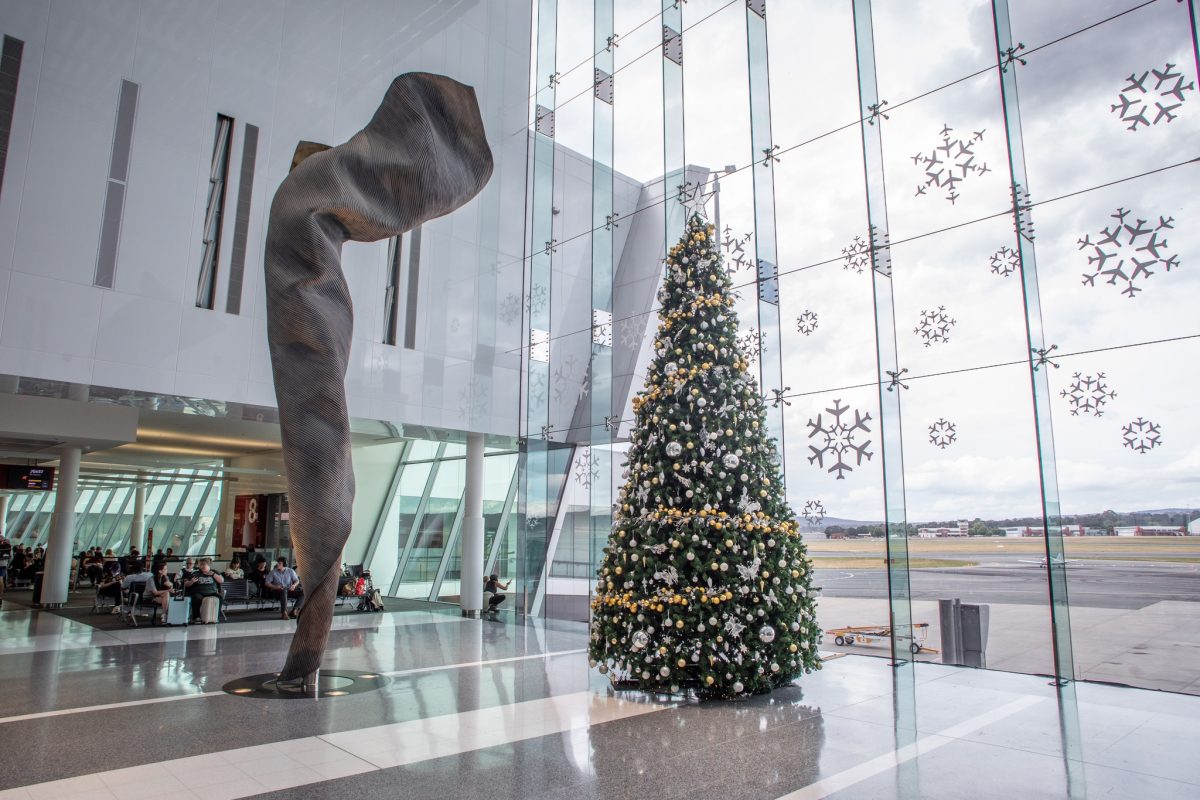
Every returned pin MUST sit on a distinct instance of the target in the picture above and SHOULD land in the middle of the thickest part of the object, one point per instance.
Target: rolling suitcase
(209, 607)
(177, 611)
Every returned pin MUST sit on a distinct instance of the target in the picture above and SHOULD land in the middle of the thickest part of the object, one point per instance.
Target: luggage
(375, 600)
(177, 611)
(209, 607)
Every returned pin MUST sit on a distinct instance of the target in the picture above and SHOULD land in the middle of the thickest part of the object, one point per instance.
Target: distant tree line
(995, 527)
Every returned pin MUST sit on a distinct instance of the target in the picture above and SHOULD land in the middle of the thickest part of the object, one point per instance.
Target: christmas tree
(704, 583)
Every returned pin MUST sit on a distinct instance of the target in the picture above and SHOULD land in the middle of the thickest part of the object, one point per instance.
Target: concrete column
(62, 532)
(471, 556)
(137, 529)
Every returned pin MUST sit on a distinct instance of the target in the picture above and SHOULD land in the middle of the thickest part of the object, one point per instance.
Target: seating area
(136, 604)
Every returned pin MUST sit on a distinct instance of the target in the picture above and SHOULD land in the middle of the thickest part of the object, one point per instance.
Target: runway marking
(926, 744)
(396, 673)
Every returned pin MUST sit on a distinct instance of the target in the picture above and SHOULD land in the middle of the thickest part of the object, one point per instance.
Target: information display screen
(17, 477)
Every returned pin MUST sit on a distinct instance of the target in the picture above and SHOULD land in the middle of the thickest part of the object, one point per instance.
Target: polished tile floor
(507, 710)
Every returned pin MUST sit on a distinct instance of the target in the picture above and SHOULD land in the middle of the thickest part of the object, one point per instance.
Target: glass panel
(1112, 197)
(433, 530)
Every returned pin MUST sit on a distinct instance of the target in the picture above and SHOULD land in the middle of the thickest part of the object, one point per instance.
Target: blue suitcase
(178, 610)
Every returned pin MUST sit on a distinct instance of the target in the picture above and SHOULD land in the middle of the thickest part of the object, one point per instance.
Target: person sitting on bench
(493, 586)
(283, 582)
(203, 583)
(110, 587)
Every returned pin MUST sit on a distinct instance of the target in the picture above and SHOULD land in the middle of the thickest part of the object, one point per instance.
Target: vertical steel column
(1056, 567)
(674, 162)
(602, 417)
(891, 444)
(762, 155)
(535, 468)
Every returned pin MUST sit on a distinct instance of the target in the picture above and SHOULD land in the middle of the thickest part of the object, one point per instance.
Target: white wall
(301, 69)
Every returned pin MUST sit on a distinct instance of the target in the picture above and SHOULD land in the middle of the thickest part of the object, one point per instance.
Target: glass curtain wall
(181, 509)
(960, 234)
(414, 551)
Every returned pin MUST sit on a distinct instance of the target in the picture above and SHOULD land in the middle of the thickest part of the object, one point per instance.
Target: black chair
(102, 601)
(135, 601)
(144, 602)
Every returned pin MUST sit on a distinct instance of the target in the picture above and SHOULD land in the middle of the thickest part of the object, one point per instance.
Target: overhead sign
(24, 478)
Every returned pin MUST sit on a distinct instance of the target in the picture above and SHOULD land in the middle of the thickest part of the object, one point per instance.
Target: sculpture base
(321, 684)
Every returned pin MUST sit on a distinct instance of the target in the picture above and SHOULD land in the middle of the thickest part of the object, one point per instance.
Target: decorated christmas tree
(704, 583)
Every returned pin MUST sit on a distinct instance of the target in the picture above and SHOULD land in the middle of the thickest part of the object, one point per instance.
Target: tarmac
(1132, 622)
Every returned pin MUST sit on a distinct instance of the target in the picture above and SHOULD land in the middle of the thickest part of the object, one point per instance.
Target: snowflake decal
(838, 438)
(539, 298)
(752, 343)
(537, 387)
(1135, 97)
(814, 512)
(942, 434)
(1005, 262)
(567, 376)
(473, 400)
(510, 309)
(736, 257)
(1088, 394)
(856, 257)
(950, 163)
(587, 468)
(806, 323)
(629, 331)
(1142, 435)
(934, 326)
(1127, 249)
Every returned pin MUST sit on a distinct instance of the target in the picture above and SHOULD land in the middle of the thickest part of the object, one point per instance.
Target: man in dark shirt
(203, 583)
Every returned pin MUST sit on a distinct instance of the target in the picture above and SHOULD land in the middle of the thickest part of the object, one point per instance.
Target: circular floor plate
(332, 684)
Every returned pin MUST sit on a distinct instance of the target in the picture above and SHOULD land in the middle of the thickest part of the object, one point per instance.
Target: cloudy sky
(1076, 145)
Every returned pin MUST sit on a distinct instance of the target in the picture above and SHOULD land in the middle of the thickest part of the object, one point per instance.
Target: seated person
(162, 588)
(93, 567)
(110, 586)
(258, 577)
(186, 572)
(139, 575)
(234, 571)
(201, 584)
(159, 558)
(283, 582)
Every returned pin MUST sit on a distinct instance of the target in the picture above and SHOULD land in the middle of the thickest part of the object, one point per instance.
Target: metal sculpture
(423, 154)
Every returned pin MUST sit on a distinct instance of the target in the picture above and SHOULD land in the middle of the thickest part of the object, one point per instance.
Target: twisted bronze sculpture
(423, 154)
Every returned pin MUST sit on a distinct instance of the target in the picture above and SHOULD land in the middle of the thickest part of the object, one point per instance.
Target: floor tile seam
(566, 726)
(893, 758)
(313, 737)
(120, 636)
(119, 642)
(485, 663)
(193, 695)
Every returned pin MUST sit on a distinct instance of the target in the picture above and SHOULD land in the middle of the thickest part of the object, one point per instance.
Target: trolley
(869, 634)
